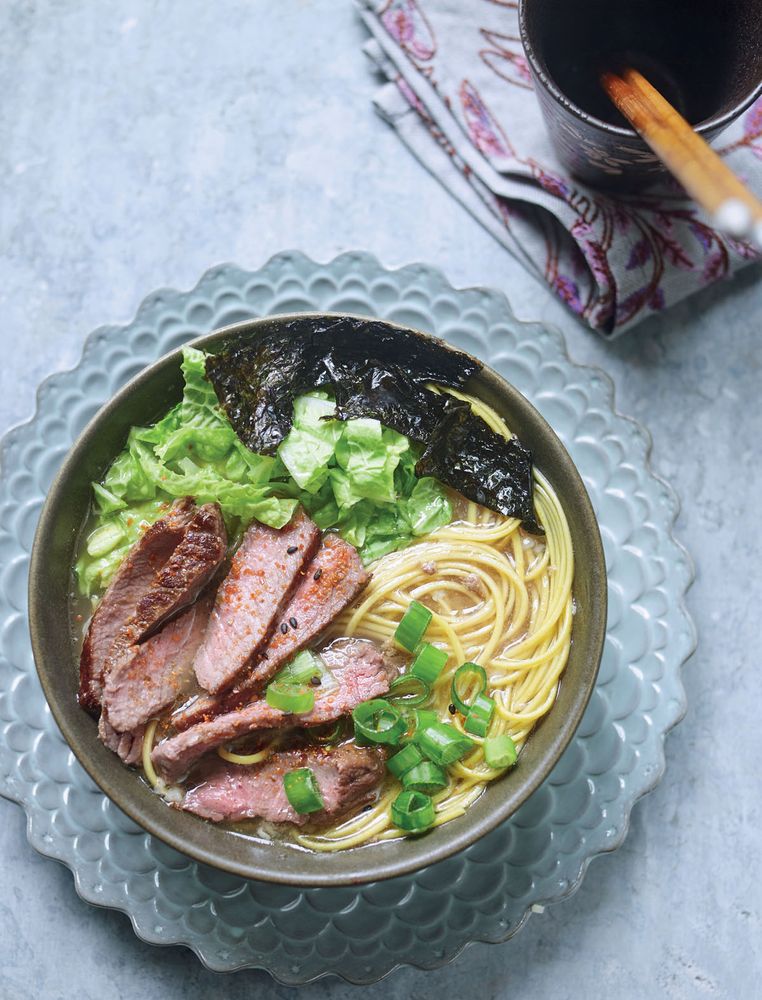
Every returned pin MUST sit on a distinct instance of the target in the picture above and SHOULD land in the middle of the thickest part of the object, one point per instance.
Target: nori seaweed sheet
(484, 466)
(256, 383)
(374, 371)
(388, 393)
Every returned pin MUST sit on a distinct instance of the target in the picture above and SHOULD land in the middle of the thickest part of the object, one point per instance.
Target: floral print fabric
(460, 95)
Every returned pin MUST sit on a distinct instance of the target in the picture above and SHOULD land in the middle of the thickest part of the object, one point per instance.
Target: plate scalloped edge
(539, 856)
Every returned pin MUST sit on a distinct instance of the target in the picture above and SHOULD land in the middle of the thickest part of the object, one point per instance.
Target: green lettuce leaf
(357, 477)
(427, 507)
(368, 454)
(106, 501)
(192, 451)
(309, 447)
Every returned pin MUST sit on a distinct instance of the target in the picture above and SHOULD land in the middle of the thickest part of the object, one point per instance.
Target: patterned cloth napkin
(460, 96)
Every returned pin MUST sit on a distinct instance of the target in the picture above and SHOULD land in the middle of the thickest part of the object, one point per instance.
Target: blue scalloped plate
(541, 853)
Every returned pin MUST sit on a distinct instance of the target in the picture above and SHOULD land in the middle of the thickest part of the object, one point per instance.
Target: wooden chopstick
(706, 177)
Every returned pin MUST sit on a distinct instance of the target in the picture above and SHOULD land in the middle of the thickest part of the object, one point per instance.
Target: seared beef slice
(147, 678)
(188, 570)
(347, 777)
(165, 571)
(128, 746)
(359, 670)
(133, 579)
(264, 571)
(329, 584)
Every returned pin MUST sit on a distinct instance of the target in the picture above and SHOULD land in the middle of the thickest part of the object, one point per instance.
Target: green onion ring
(302, 790)
(296, 699)
(415, 719)
(412, 628)
(500, 751)
(442, 743)
(403, 760)
(413, 811)
(301, 668)
(428, 663)
(425, 777)
(409, 690)
(480, 715)
(464, 671)
(378, 721)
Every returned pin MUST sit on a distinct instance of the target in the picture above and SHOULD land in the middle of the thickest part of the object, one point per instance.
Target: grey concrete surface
(141, 142)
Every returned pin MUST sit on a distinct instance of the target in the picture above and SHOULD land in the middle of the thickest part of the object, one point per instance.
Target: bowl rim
(716, 123)
(423, 854)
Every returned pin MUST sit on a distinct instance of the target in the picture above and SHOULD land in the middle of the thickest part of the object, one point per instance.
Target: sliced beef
(132, 581)
(129, 746)
(330, 582)
(264, 571)
(178, 583)
(146, 678)
(188, 570)
(347, 776)
(359, 671)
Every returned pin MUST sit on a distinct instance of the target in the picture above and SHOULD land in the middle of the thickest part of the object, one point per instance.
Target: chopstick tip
(734, 218)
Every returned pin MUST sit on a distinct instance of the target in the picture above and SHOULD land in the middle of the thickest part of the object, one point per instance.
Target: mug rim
(716, 122)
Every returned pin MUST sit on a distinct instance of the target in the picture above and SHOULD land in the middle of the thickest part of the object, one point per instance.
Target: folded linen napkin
(460, 96)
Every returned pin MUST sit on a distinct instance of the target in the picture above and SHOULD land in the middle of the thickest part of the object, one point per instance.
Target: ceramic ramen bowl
(56, 652)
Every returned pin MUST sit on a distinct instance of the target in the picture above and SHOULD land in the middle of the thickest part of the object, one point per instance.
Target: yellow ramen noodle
(501, 598)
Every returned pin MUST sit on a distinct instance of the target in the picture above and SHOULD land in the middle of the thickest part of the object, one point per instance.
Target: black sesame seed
(291, 549)
(293, 623)
(315, 681)
(318, 574)
(451, 709)
(284, 628)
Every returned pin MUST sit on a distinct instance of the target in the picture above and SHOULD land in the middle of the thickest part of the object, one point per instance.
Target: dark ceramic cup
(704, 55)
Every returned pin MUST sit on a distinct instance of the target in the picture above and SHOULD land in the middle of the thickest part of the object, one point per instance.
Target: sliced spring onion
(293, 698)
(500, 751)
(412, 628)
(416, 719)
(476, 724)
(302, 790)
(301, 669)
(402, 761)
(464, 678)
(104, 539)
(442, 743)
(409, 690)
(483, 706)
(429, 663)
(424, 717)
(425, 777)
(412, 811)
(378, 721)
(480, 715)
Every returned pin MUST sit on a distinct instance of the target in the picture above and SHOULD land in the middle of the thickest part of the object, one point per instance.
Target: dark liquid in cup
(686, 49)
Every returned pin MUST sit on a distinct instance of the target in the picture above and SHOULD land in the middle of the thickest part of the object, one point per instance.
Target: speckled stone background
(143, 141)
